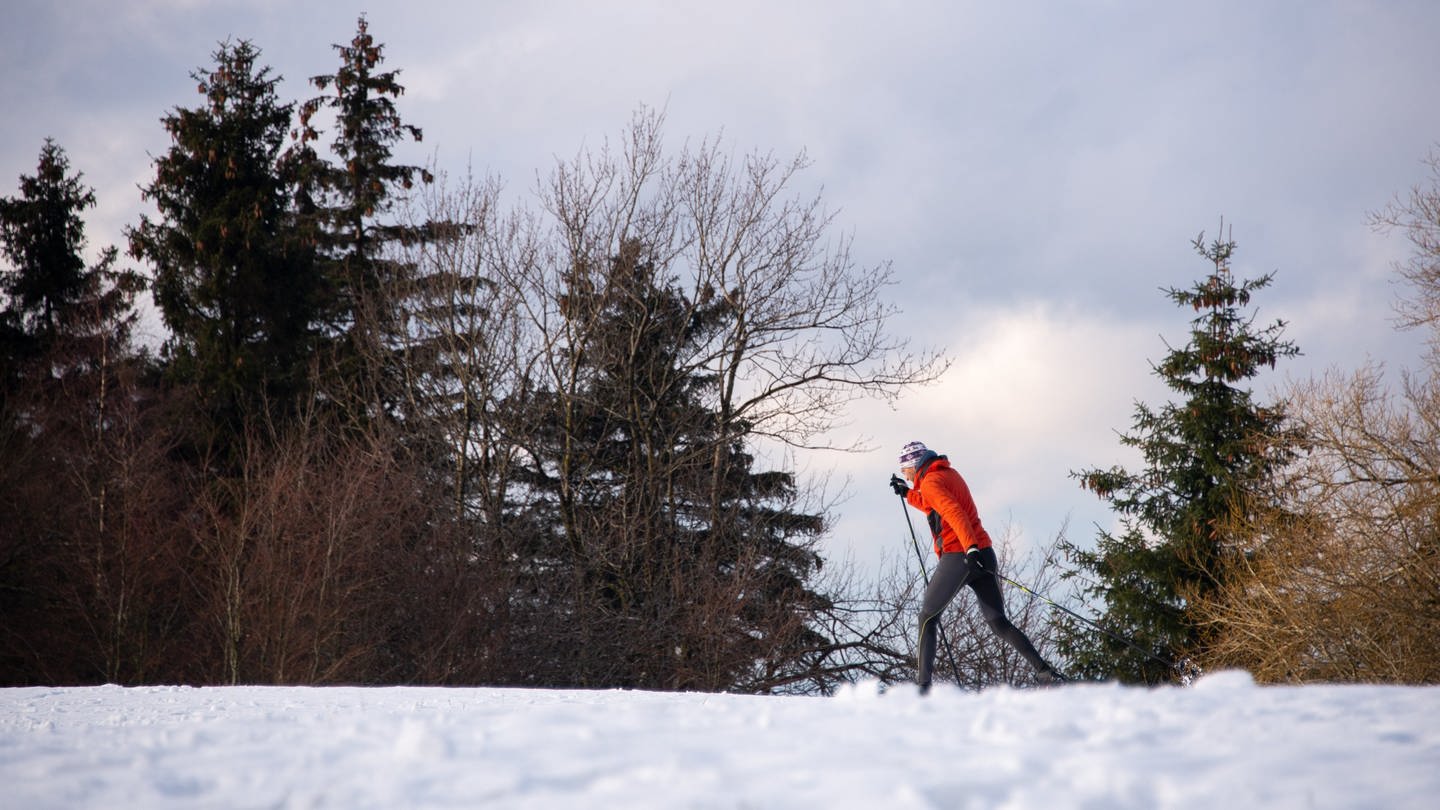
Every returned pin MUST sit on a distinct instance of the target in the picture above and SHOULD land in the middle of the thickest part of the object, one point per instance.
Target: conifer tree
(43, 236)
(347, 202)
(59, 312)
(662, 580)
(237, 285)
(1202, 456)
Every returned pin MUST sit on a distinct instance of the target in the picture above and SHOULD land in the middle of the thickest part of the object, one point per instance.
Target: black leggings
(952, 574)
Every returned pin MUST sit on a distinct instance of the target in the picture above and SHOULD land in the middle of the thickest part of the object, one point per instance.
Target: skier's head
(913, 457)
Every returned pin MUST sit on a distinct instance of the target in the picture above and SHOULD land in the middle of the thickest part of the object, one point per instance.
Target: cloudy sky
(1035, 171)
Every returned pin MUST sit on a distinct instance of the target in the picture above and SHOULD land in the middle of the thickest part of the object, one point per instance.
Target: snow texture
(1225, 742)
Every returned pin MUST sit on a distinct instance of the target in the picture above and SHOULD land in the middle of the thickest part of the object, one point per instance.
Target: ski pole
(1127, 642)
(925, 576)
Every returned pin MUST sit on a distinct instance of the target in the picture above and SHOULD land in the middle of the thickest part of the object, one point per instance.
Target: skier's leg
(949, 577)
(992, 607)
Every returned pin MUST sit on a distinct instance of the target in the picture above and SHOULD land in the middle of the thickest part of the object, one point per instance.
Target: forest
(399, 432)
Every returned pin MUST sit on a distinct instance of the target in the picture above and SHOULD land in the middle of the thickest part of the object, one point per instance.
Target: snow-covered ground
(1223, 743)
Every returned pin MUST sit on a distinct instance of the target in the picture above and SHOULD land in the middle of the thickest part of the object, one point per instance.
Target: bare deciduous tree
(1418, 217)
(809, 334)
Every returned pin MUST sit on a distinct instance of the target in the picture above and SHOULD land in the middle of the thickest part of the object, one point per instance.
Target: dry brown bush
(331, 559)
(1344, 581)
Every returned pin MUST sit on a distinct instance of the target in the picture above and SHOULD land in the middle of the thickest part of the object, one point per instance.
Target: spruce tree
(43, 236)
(657, 570)
(60, 316)
(346, 204)
(1202, 455)
(235, 281)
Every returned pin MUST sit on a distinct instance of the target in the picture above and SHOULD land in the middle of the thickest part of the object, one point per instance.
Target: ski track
(1224, 742)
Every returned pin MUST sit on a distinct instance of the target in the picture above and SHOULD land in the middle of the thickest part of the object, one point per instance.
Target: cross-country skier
(966, 558)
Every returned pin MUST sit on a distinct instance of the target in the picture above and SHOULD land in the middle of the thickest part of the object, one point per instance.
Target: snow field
(1223, 743)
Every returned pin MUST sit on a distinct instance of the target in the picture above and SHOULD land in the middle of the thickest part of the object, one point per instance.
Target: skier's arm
(915, 499)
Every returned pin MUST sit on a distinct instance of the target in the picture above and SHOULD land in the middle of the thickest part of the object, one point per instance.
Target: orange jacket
(939, 489)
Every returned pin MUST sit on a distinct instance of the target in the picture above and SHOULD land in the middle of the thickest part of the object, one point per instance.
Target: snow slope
(1223, 743)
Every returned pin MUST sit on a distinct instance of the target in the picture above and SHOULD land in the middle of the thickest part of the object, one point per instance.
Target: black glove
(972, 559)
(898, 484)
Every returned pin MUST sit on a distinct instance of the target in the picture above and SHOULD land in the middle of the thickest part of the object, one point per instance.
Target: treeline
(398, 434)
(401, 432)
